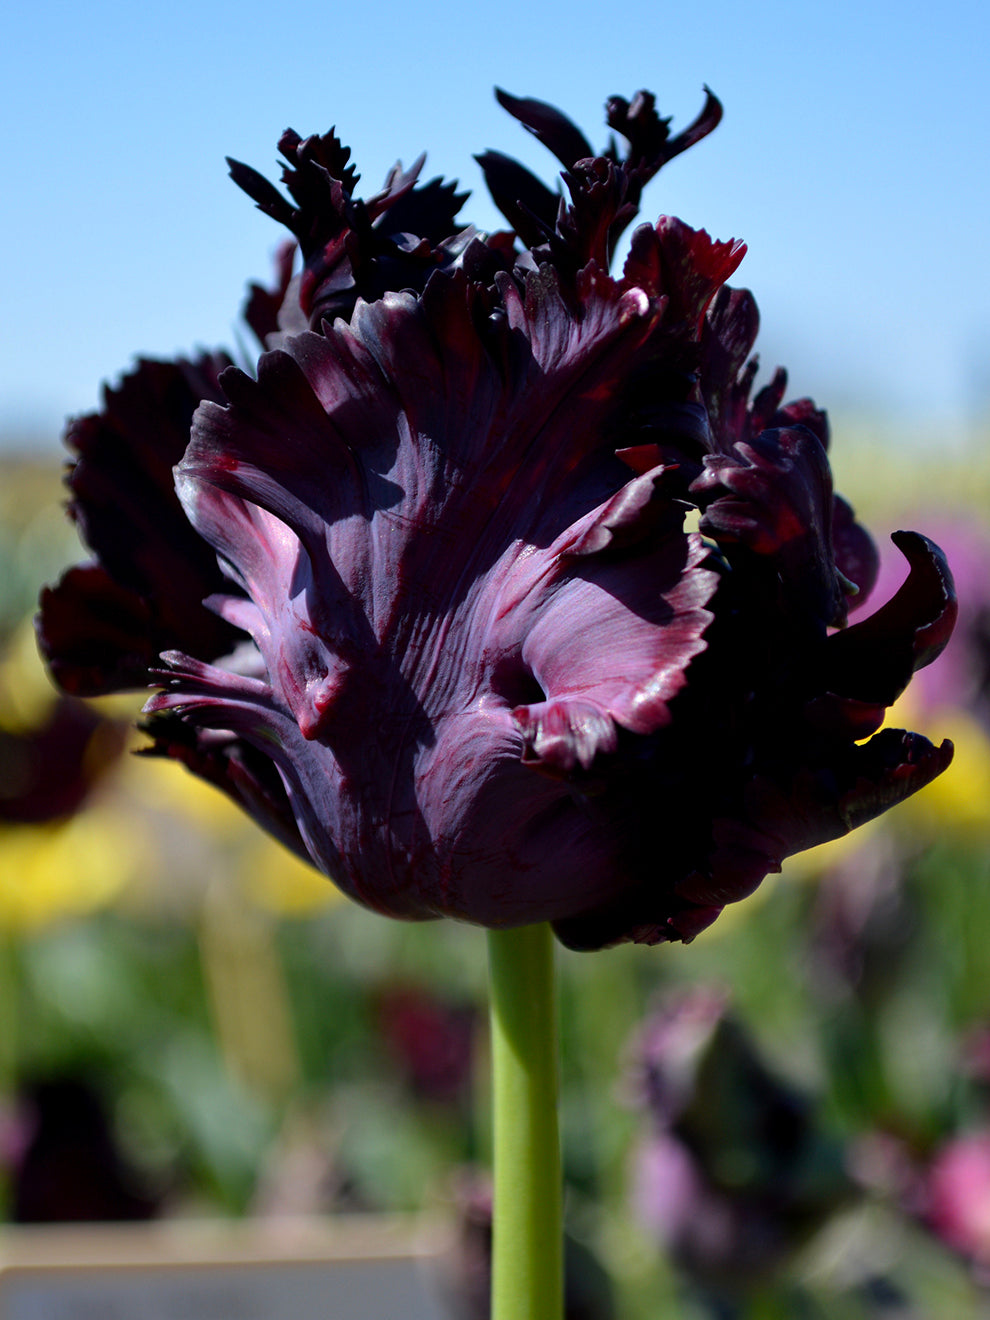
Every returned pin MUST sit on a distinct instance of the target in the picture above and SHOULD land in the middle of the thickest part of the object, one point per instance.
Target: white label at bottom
(343, 1290)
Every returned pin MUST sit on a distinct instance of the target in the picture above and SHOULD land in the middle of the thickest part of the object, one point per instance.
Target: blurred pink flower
(958, 1195)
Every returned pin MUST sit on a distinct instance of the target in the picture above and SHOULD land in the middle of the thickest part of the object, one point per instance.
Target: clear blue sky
(852, 159)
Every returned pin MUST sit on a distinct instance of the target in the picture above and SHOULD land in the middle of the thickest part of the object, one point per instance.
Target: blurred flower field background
(790, 1117)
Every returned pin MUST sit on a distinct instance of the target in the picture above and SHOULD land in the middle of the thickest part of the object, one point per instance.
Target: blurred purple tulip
(425, 600)
(69, 1166)
(430, 1039)
(467, 1271)
(735, 1172)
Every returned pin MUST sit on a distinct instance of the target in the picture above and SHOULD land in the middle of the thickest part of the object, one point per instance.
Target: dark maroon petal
(428, 211)
(775, 821)
(890, 767)
(95, 635)
(636, 919)
(834, 716)
(102, 626)
(263, 307)
(774, 496)
(124, 461)
(605, 188)
(319, 177)
(802, 412)
(818, 805)
(351, 248)
(727, 371)
(659, 612)
(961, 675)
(780, 809)
(265, 195)
(641, 509)
(548, 126)
(526, 202)
(247, 776)
(874, 658)
(650, 143)
(682, 264)
(561, 737)
(234, 726)
(587, 228)
(765, 410)
(855, 552)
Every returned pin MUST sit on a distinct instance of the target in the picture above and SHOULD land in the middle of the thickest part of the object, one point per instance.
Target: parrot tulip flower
(494, 589)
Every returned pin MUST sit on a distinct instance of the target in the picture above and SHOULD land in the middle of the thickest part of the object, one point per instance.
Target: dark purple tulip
(457, 608)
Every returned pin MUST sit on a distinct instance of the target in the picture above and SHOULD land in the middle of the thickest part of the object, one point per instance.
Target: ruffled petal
(351, 248)
(774, 496)
(402, 664)
(96, 636)
(682, 264)
(103, 626)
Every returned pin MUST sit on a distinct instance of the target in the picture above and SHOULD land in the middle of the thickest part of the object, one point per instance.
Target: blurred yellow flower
(165, 786)
(27, 694)
(960, 799)
(65, 869)
(282, 883)
(273, 878)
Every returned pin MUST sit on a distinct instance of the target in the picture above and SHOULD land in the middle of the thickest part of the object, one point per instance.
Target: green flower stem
(527, 1249)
